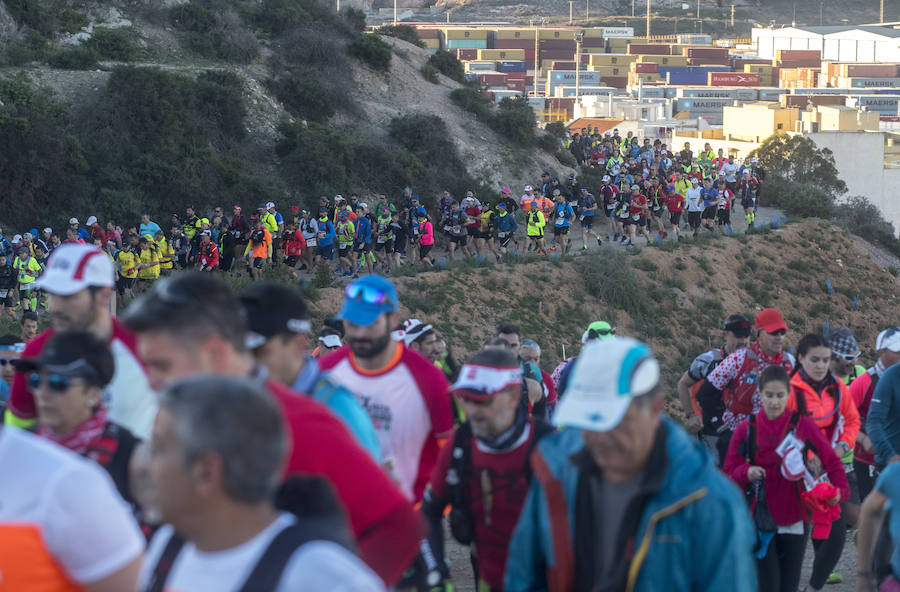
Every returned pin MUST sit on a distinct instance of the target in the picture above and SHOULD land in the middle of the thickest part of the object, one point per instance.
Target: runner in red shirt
(191, 324)
(675, 205)
(405, 394)
(639, 215)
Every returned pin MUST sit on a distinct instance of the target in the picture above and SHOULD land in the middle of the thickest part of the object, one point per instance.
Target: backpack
(462, 523)
(258, 237)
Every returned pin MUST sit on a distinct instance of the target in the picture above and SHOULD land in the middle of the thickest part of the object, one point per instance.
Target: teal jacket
(694, 535)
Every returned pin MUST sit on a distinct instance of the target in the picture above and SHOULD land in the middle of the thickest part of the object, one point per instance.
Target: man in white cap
(80, 280)
(79, 232)
(622, 496)
(422, 338)
(274, 222)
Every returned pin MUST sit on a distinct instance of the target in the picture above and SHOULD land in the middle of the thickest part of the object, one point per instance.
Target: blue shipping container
(471, 76)
(466, 44)
(511, 66)
(686, 78)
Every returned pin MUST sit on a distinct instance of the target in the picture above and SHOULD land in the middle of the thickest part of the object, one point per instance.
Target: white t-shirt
(693, 199)
(729, 169)
(61, 519)
(315, 567)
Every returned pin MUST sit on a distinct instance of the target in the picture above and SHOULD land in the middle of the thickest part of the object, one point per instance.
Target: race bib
(635, 217)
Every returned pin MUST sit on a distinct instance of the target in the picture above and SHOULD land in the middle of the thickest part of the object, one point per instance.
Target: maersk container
(568, 77)
(770, 94)
(885, 104)
(869, 82)
(702, 105)
(480, 67)
(741, 94)
(648, 92)
(584, 91)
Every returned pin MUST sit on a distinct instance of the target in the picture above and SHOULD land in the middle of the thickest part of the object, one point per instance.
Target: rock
(8, 26)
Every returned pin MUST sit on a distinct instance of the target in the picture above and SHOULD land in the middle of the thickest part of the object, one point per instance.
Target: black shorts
(626, 221)
(387, 246)
(709, 213)
(587, 222)
(126, 283)
(746, 203)
(694, 219)
(675, 217)
(325, 252)
(290, 260)
(424, 250)
(558, 230)
(504, 242)
(343, 251)
(640, 222)
(9, 299)
(361, 247)
(459, 240)
(536, 236)
(723, 216)
(656, 213)
(258, 262)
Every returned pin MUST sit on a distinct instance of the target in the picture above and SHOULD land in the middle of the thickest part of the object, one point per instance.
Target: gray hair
(530, 344)
(237, 420)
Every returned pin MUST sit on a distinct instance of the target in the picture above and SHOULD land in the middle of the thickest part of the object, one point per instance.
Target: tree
(797, 159)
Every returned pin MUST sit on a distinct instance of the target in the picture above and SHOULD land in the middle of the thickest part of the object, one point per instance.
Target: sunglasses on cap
(779, 333)
(367, 294)
(58, 383)
(846, 357)
(595, 333)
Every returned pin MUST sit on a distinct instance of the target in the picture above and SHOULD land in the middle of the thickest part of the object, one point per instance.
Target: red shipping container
(525, 44)
(800, 63)
(646, 68)
(557, 44)
(518, 85)
(466, 55)
(492, 78)
(593, 42)
(788, 55)
(741, 62)
(428, 33)
(562, 66)
(566, 104)
(615, 81)
(529, 80)
(733, 79)
(515, 76)
(717, 53)
(649, 49)
(529, 56)
(557, 54)
(871, 70)
(708, 62)
(585, 58)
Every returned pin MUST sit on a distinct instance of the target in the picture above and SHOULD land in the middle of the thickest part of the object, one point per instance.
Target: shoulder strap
(267, 573)
(751, 440)
(167, 559)
(460, 467)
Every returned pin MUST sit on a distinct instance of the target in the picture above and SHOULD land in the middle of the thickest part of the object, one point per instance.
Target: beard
(369, 348)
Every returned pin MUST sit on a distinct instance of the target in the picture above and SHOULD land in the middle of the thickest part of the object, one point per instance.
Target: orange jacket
(821, 409)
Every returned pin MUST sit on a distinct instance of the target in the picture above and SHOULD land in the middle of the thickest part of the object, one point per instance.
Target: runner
(208, 255)
(695, 208)
(190, 324)
(530, 352)
(639, 211)
(657, 198)
(562, 217)
(454, 224)
(724, 199)
(422, 338)
(609, 198)
(675, 206)
(346, 235)
(258, 250)
(483, 474)
(587, 207)
(362, 244)
(746, 191)
(405, 395)
(230, 535)
(426, 238)
(621, 497)
(710, 198)
(324, 238)
(535, 228)
(506, 226)
(80, 281)
(384, 238)
(278, 336)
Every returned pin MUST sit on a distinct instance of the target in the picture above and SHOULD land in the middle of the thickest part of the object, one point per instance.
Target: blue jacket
(883, 421)
(506, 223)
(694, 535)
(363, 230)
(328, 239)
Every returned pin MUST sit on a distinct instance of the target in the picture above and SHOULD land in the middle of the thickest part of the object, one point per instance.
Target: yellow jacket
(149, 257)
(536, 222)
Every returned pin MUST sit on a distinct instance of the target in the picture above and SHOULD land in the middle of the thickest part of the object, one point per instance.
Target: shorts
(675, 217)
(387, 246)
(558, 230)
(126, 283)
(709, 213)
(640, 222)
(610, 211)
(656, 213)
(325, 251)
(747, 203)
(424, 250)
(587, 222)
(361, 247)
(723, 216)
(478, 234)
(291, 260)
(343, 251)
(694, 219)
(258, 262)
(504, 242)
(536, 236)
(7, 298)
(626, 221)
(459, 240)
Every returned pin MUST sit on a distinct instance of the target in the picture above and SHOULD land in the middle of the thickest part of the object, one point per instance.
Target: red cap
(295, 208)
(770, 321)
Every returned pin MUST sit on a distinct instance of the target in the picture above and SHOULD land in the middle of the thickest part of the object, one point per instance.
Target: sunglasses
(367, 294)
(58, 383)
(780, 332)
(846, 357)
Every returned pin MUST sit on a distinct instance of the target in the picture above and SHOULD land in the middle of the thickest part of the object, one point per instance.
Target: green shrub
(514, 120)
(799, 199)
(279, 16)
(447, 64)
(214, 31)
(355, 19)
(557, 129)
(371, 50)
(32, 47)
(430, 73)
(192, 16)
(78, 57)
(404, 32)
(864, 219)
(112, 44)
(303, 93)
(472, 99)
(219, 100)
(47, 17)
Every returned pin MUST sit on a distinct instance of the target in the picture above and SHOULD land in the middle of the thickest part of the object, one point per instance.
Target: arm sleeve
(736, 465)
(879, 411)
(851, 418)
(723, 559)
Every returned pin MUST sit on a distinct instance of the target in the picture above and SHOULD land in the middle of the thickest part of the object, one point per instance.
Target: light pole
(579, 37)
(632, 8)
(571, 11)
(587, 11)
(395, 12)
(648, 21)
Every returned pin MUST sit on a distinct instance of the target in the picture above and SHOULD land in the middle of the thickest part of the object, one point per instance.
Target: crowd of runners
(645, 190)
(211, 440)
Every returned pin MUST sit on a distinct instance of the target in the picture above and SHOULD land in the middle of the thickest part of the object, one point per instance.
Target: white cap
(73, 220)
(606, 179)
(889, 339)
(270, 205)
(91, 220)
(413, 329)
(49, 230)
(17, 238)
(529, 188)
(607, 376)
(695, 180)
(74, 267)
(330, 340)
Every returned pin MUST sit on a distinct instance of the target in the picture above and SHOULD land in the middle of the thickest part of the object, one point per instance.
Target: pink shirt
(426, 233)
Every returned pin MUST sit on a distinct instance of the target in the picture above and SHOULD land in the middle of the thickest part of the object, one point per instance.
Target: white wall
(859, 158)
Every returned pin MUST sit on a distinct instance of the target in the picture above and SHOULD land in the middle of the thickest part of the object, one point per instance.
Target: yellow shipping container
(465, 33)
(663, 60)
(432, 43)
(760, 69)
(511, 33)
(556, 34)
(593, 33)
(609, 70)
(611, 59)
(635, 77)
(501, 54)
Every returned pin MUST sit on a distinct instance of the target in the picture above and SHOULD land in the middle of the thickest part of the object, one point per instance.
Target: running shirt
(314, 566)
(62, 524)
(29, 270)
(129, 398)
(638, 203)
(694, 199)
(562, 212)
(149, 258)
(409, 404)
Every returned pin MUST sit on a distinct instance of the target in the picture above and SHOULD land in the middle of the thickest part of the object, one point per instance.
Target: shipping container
(492, 78)
(556, 44)
(465, 44)
(609, 70)
(592, 91)
(664, 60)
(500, 94)
(465, 55)
(501, 54)
(868, 82)
(770, 94)
(616, 81)
(562, 65)
(694, 39)
(649, 49)
(645, 68)
(702, 105)
(863, 70)
(557, 34)
(465, 34)
(706, 52)
(787, 55)
(608, 32)
(798, 63)
(708, 92)
(508, 34)
(518, 85)
(525, 44)
(612, 59)
(568, 77)
(432, 43)
(593, 44)
(710, 62)
(557, 54)
(480, 66)
(884, 104)
(733, 79)
(803, 101)
(648, 92)
(510, 66)
(428, 33)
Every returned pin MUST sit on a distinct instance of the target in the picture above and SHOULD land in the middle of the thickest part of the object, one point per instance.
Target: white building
(837, 43)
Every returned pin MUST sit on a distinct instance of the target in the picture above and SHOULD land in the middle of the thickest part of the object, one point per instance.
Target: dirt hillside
(677, 295)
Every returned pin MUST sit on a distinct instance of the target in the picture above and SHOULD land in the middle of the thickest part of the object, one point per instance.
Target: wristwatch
(846, 447)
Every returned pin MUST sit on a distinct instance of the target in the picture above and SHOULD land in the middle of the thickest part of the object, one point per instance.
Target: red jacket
(208, 256)
(294, 244)
(783, 496)
(821, 409)
(862, 389)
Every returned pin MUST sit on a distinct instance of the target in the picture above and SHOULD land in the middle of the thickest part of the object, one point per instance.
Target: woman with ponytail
(829, 404)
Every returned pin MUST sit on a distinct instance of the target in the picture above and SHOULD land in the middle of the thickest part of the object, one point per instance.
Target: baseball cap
(366, 299)
(695, 180)
(421, 211)
(607, 376)
(480, 382)
(91, 220)
(48, 230)
(272, 309)
(633, 187)
(73, 220)
(413, 329)
(501, 205)
(737, 324)
(606, 179)
(270, 205)
(238, 208)
(261, 207)
(17, 238)
(206, 233)
(330, 340)
(529, 188)
(843, 344)
(505, 190)
(74, 355)
(770, 320)
(889, 339)
(74, 267)
(598, 330)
